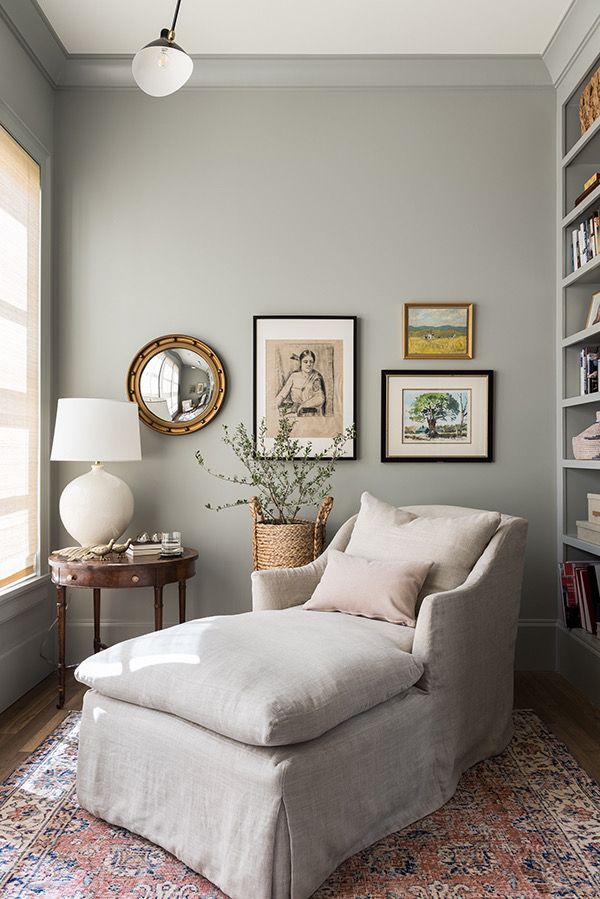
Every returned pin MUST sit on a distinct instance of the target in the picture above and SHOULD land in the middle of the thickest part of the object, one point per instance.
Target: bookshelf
(578, 158)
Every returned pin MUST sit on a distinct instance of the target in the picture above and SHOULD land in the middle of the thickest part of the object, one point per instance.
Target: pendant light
(162, 67)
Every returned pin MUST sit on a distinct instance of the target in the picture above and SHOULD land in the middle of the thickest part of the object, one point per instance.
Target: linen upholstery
(383, 590)
(273, 822)
(453, 544)
(260, 678)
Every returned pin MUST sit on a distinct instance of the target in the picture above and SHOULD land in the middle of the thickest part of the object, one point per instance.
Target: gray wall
(27, 111)
(193, 213)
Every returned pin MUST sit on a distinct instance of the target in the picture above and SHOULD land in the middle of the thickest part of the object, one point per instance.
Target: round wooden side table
(111, 573)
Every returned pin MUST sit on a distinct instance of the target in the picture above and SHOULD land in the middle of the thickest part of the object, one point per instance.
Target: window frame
(19, 131)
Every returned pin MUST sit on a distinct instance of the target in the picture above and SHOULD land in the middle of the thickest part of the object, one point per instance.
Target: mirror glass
(178, 383)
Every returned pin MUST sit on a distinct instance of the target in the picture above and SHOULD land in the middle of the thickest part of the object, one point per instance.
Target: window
(19, 362)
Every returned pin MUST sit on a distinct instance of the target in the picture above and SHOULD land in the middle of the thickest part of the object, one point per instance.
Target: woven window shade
(19, 360)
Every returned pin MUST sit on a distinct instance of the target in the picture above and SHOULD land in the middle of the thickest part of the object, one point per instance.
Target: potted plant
(286, 477)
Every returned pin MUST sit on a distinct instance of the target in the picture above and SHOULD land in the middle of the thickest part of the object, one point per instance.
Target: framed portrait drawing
(305, 369)
(593, 317)
(437, 416)
(438, 330)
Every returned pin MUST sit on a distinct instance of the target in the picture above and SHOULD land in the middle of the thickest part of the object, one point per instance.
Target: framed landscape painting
(437, 416)
(305, 370)
(438, 330)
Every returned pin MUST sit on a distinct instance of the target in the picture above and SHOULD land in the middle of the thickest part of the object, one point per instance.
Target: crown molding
(66, 72)
(569, 42)
(350, 72)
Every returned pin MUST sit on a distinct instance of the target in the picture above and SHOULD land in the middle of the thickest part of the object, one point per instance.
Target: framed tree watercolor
(305, 369)
(438, 330)
(437, 416)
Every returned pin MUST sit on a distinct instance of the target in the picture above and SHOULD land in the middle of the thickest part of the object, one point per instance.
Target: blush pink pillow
(384, 590)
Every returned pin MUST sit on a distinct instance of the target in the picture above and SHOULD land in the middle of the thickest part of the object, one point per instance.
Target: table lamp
(97, 505)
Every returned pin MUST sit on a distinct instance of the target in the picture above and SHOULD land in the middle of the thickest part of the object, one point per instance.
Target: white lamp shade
(89, 430)
(161, 68)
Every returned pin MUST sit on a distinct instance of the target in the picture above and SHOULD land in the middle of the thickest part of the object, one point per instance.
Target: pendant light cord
(176, 14)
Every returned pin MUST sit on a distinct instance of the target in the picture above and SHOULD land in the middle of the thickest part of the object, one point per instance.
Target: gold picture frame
(438, 331)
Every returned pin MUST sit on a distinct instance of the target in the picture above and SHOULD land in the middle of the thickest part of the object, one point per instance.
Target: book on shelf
(580, 589)
(588, 370)
(585, 241)
(590, 185)
(136, 550)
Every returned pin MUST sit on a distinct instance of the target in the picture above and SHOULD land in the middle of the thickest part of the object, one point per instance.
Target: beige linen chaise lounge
(263, 749)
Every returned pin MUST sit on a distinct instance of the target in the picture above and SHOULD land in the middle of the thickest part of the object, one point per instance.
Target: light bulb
(163, 59)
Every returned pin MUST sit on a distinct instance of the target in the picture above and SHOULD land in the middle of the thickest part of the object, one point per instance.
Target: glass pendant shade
(161, 67)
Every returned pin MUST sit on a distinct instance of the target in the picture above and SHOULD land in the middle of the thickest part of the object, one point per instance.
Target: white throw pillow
(384, 533)
(384, 590)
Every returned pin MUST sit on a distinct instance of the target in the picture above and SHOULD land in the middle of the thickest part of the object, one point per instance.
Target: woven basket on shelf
(287, 545)
(589, 102)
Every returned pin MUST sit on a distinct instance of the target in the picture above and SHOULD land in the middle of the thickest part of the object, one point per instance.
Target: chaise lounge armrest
(282, 588)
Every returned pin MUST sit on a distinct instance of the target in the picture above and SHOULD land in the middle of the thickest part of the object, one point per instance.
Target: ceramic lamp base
(96, 507)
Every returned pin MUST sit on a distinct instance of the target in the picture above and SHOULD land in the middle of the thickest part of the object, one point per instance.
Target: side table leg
(97, 641)
(181, 602)
(158, 608)
(61, 603)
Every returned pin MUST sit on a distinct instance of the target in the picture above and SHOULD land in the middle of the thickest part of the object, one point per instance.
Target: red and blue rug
(524, 824)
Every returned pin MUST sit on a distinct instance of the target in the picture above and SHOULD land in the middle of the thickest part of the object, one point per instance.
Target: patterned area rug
(524, 824)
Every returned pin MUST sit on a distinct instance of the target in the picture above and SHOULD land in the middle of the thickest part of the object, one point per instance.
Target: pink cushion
(385, 590)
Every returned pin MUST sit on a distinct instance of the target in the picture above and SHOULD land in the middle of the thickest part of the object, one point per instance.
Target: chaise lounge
(263, 749)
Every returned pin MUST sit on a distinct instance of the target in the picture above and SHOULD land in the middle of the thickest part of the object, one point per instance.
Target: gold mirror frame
(173, 342)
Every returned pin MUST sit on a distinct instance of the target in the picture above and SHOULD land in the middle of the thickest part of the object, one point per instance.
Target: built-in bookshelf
(577, 280)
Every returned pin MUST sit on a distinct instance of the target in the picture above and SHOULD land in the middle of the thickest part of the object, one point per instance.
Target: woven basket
(589, 102)
(287, 545)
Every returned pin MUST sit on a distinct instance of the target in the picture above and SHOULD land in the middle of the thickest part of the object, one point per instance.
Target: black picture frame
(408, 443)
(332, 340)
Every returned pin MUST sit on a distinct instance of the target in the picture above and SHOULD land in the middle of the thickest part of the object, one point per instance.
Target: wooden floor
(574, 721)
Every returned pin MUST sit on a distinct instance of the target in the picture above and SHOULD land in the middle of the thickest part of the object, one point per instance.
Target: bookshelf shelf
(591, 200)
(587, 274)
(581, 400)
(583, 336)
(585, 150)
(581, 463)
(576, 543)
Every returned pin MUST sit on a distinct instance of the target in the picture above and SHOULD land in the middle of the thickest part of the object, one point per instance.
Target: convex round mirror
(178, 383)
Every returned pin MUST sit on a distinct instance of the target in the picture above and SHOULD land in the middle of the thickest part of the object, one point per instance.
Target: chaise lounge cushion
(386, 533)
(264, 678)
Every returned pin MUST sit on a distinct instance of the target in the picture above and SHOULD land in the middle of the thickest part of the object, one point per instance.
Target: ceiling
(283, 27)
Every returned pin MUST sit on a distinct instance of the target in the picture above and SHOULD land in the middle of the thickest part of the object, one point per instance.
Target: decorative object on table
(120, 548)
(171, 543)
(162, 67)
(547, 824)
(593, 317)
(288, 477)
(97, 506)
(83, 553)
(435, 416)
(305, 370)
(589, 102)
(178, 383)
(588, 370)
(438, 330)
(586, 446)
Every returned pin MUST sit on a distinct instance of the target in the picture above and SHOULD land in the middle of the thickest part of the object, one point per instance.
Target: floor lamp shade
(96, 506)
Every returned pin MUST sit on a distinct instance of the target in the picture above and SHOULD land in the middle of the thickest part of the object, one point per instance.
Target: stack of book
(141, 550)
(585, 241)
(580, 587)
(588, 370)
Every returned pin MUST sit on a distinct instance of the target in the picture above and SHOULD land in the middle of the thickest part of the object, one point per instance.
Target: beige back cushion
(386, 533)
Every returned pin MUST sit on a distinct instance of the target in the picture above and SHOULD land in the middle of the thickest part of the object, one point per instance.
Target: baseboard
(578, 660)
(536, 645)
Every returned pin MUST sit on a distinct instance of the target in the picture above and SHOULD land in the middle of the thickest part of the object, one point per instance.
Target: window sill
(24, 586)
